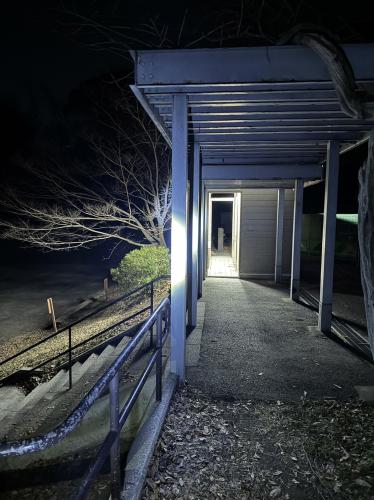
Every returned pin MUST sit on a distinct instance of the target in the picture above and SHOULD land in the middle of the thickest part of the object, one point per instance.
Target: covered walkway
(256, 118)
(259, 344)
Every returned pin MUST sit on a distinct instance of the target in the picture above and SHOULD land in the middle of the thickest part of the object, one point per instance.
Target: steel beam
(152, 113)
(328, 237)
(279, 238)
(252, 172)
(242, 109)
(260, 159)
(328, 113)
(249, 184)
(179, 237)
(288, 63)
(296, 240)
(195, 188)
(242, 87)
(285, 137)
(227, 96)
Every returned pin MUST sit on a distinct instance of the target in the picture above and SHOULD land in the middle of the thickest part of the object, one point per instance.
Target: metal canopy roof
(255, 106)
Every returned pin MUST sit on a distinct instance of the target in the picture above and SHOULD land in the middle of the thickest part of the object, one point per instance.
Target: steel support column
(296, 239)
(328, 237)
(206, 230)
(179, 237)
(202, 239)
(279, 237)
(195, 193)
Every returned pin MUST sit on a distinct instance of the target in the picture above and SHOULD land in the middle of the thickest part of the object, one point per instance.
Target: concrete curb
(143, 446)
(193, 341)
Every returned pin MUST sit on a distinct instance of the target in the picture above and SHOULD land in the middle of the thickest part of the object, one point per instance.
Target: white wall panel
(258, 231)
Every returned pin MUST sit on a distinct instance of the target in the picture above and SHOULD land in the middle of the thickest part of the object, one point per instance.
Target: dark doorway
(222, 220)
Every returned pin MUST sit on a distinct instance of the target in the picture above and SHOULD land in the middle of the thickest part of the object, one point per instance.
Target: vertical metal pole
(296, 239)
(279, 237)
(70, 373)
(179, 237)
(159, 358)
(189, 240)
(206, 220)
(201, 241)
(328, 238)
(115, 452)
(192, 312)
(209, 232)
(152, 307)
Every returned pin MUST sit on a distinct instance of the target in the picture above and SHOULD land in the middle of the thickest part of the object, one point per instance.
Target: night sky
(46, 60)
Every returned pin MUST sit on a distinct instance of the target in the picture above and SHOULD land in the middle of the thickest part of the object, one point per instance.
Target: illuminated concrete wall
(258, 232)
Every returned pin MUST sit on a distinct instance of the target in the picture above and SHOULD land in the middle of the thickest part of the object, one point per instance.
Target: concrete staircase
(22, 416)
(55, 472)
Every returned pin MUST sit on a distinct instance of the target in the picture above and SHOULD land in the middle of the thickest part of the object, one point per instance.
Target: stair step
(46, 391)
(76, 370)
(56, 383)
(122, 344)
(87, 364)
(10, 398)
(108, 350)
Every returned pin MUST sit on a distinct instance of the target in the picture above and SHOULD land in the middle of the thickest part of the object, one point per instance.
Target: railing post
(70, 374)
(115, 452)
(159, 357)
(152, 307)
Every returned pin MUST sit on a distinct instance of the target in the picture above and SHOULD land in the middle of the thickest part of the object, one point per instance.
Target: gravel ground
(82, 331)
(213, 448)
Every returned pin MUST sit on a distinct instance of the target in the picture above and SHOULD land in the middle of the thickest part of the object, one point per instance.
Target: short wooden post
(51, 311)
(106, 288)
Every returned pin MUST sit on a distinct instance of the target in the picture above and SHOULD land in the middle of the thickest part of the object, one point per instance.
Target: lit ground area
(222, 265)
(258, 344)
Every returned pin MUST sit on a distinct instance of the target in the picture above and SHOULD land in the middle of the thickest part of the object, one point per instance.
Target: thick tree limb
(337, 63)
(366, 236)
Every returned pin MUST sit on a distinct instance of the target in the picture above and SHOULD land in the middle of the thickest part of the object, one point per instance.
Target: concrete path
(222, 266)
(258, 344)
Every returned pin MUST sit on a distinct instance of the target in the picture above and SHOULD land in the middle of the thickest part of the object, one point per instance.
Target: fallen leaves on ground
(254, 450)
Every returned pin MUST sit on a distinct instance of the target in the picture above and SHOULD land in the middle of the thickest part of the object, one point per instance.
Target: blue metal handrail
(68, 328)
(118, 417)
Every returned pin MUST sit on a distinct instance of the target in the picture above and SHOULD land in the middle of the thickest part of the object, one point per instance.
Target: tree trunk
(366, 236)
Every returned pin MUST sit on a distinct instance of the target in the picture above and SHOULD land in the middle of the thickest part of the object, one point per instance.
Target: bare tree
(238, 23)
(123, 193)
